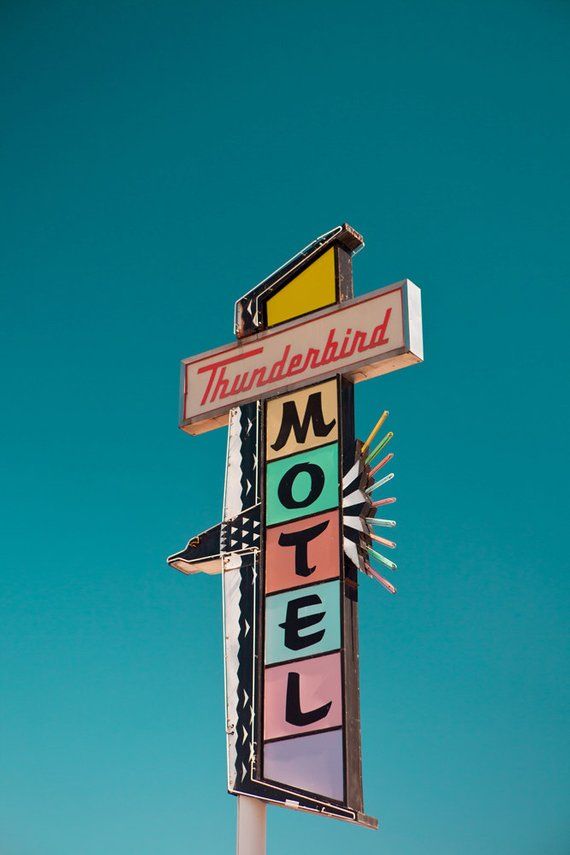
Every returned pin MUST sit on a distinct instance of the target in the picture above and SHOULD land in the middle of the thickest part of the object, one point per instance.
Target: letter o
(285, 488)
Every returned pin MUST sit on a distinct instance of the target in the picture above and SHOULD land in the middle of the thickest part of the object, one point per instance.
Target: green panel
(325, 600)
(323, 463)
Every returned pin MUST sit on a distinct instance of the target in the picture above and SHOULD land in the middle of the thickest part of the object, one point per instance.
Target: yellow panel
(310, 290)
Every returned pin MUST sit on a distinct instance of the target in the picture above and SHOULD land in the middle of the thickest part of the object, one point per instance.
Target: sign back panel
(290, 608)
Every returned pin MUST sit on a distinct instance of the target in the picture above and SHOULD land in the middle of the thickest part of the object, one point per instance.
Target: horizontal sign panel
(360, 338)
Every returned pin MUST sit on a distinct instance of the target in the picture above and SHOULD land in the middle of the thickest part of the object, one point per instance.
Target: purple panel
(311, 763)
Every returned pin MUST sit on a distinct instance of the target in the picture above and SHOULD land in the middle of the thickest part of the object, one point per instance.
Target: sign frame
(278, 684)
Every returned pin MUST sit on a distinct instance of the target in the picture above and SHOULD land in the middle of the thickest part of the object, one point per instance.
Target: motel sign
(300, 518)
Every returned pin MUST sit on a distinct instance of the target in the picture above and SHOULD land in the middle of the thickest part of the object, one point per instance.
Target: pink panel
(318, 684)
(322, 553)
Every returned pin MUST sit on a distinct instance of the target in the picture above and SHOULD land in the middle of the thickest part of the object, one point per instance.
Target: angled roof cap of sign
(251, 311)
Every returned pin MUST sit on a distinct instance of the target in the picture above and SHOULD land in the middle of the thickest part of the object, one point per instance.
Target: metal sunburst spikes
(359, 510)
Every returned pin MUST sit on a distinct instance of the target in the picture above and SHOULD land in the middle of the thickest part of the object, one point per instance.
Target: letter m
(290, 421)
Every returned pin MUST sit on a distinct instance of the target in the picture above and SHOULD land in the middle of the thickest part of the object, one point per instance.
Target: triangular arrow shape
(354, 522)
(353, 498)
(351, 474)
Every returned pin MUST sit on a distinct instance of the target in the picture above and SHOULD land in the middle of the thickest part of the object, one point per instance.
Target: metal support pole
(251, 826)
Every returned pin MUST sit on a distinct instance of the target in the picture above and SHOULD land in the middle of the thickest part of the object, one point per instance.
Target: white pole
(251, 825)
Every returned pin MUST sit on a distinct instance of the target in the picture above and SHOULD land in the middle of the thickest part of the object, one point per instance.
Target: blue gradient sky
(158, 159)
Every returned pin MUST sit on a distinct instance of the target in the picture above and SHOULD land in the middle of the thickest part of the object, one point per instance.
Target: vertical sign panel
(303, 687)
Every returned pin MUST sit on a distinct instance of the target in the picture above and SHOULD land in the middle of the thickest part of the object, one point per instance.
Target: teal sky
(157, 161)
